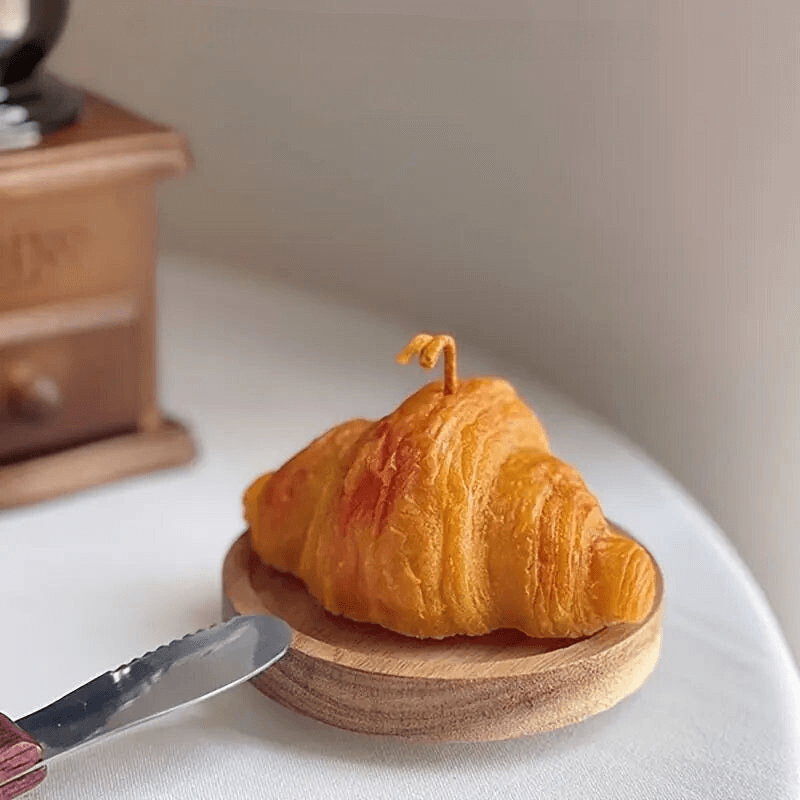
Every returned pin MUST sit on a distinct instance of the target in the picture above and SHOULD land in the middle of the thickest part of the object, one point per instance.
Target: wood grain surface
(18, 753)
(365, 678)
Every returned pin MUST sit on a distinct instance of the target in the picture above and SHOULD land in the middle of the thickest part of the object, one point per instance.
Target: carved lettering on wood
(28, 257)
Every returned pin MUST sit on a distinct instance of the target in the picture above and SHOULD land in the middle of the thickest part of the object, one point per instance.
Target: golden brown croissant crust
(449, 516)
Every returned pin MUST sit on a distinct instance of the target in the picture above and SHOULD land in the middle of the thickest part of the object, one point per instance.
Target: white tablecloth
(91, 581)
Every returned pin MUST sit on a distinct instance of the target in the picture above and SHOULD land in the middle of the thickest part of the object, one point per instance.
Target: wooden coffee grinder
(78, 399)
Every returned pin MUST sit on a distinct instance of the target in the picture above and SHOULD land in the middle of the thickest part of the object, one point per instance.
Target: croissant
(449, 516)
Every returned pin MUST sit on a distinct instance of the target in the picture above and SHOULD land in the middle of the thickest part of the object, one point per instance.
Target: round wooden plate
(365, 678)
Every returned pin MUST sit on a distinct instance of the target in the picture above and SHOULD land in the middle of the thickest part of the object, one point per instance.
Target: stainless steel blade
(187, 670)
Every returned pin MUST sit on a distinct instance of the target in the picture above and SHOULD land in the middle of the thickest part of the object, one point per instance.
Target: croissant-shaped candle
(449, 516)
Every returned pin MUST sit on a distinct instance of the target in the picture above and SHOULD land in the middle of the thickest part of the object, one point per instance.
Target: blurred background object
(78, 390)
(606, 191)
(29, 29)
(16, 130)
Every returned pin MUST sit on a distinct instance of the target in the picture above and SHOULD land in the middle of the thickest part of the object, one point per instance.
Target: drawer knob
(31, 395)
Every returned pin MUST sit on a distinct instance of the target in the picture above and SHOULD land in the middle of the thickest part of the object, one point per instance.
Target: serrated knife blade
(185, 671)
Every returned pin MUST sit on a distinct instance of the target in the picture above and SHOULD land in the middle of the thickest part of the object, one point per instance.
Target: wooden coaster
(364, 678)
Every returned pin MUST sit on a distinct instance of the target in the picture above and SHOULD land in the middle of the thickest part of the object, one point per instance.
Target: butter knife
(193, 668)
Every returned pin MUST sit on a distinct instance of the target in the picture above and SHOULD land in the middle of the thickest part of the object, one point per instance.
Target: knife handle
(19, 751)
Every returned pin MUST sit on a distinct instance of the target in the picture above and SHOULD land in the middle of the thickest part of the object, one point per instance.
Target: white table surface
(91, 581)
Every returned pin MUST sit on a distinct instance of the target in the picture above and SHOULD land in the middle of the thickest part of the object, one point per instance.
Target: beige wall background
(606, 191)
